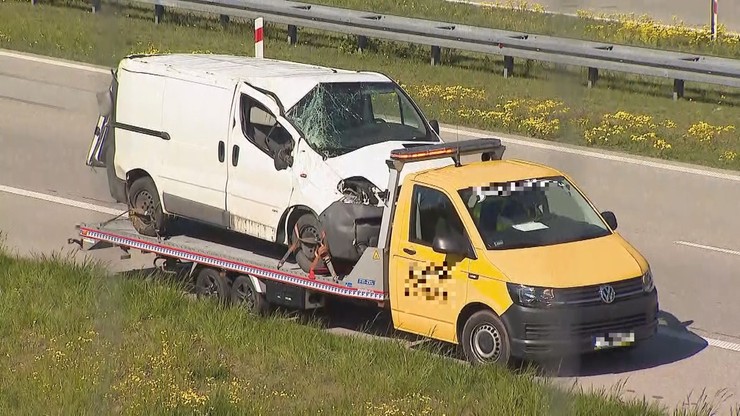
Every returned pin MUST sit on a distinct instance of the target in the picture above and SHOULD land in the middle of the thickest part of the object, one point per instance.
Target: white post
(713, 24)
(258, 38)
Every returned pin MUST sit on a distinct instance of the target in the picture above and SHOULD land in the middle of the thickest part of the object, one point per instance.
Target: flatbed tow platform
(232, 254)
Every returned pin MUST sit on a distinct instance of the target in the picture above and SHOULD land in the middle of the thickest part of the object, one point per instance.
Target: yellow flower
(728, 156)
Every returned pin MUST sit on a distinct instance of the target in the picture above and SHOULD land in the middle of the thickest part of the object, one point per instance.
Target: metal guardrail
(678, 66)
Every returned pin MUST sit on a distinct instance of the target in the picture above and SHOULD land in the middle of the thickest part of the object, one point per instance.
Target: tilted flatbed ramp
(208, 252)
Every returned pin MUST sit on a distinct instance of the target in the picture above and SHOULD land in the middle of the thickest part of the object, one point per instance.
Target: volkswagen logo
(607, 293)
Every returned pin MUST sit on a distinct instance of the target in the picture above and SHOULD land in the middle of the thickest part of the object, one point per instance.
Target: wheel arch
(288, 220)
(466, 313)
(135, 174)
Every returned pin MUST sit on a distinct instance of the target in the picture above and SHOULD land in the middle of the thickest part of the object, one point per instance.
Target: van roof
(290, 81)
(480, 173)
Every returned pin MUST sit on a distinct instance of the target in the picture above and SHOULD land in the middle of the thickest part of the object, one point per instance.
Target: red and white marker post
(258, 38)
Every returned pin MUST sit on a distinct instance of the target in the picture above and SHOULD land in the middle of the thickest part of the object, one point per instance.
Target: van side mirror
(610, 219)
(435, 125)
(452, 243)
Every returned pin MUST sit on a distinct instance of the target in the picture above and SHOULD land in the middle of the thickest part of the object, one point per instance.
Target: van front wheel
(485, 340)
(143, 200)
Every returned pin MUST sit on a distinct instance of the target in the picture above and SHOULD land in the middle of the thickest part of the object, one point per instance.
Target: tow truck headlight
(647, 282)
(531, 296)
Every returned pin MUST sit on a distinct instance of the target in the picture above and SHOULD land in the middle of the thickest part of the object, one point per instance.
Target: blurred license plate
(614, 340)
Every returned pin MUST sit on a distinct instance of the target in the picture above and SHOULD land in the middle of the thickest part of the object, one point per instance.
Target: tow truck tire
(143, 195)
(245, 295)
(211, 283)
(485, 340)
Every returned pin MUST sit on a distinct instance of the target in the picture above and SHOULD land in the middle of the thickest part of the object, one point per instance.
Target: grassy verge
(624, 113)
(523, 16)
(79, 341)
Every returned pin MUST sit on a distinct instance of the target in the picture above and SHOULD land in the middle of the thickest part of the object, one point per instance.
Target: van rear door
(96, 154)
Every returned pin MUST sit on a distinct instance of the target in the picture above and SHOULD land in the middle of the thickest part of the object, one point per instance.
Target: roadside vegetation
(625, 113)
(530, 17)
(80, 341)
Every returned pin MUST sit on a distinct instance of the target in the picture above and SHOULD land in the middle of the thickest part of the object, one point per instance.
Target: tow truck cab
(510, 259)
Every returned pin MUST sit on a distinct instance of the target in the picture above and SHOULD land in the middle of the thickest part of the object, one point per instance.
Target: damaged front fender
(352, 223)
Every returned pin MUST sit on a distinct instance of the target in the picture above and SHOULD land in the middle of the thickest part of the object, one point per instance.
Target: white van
(253, 145)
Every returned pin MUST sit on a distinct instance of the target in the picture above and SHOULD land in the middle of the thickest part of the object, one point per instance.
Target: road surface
(682, 218)
(692, 13)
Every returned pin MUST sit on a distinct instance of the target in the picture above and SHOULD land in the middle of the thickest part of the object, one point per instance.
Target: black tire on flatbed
(308, 227)
(143, 195)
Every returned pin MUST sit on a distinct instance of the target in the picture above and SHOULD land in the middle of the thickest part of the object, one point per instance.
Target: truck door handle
(410, 251)
(235, 155)
(221, 151)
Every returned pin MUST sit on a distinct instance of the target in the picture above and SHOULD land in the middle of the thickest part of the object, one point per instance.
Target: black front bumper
(568, 330)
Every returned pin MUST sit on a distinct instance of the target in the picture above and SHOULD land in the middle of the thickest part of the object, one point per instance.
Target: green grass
(626, 113)
(81, 341)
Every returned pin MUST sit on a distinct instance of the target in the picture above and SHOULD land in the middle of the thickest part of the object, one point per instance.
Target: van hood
(580, 263)
(369, 162)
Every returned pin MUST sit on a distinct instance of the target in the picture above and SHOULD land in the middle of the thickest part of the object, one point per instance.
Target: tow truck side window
(432, 213)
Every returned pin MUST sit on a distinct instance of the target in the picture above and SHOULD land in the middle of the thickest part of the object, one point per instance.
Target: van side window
(261, 128)
(432, 213)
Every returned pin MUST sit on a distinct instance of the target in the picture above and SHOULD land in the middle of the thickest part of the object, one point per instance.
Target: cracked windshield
(337, 118)
(218, 207)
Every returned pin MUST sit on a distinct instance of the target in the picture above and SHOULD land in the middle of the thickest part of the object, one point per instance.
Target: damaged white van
(258, 146)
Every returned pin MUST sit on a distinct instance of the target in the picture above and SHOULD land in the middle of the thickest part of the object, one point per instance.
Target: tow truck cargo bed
(234, 253)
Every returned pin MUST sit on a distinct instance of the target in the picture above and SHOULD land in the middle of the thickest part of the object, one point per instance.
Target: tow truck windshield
(532, 213)
(337, 118)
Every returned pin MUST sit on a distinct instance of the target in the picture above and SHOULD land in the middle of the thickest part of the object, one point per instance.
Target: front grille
(539, 331)
(589, 295)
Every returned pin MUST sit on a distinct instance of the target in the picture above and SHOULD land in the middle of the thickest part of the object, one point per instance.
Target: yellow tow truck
(505, 258)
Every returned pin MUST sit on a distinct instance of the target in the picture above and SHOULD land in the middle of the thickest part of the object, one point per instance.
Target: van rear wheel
(143, 200)
(485, 340)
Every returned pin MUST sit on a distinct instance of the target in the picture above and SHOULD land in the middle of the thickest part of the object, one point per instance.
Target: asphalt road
(693, 13)
(48, 111)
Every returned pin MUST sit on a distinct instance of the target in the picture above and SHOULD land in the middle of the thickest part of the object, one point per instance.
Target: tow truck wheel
(245, 295)
(485, 340)
(143, 199)
(212, 284)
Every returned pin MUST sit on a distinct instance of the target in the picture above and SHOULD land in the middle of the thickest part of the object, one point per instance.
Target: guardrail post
(225, 19)
(158, 13)
(292, 34)
(361, 43)
(436, 55)
(508, 66)
(593, 76)
(95, 5)
(677, 89)
(713, 19)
